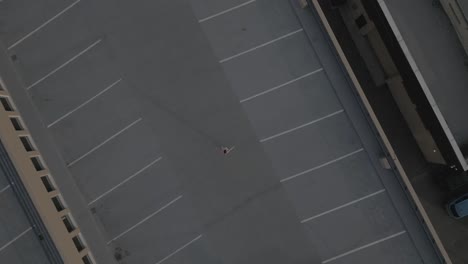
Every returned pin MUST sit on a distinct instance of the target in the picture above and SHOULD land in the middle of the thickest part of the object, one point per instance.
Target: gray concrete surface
(464, 7)
(18, 242)
(441, 59)
(425, 178)
(182, 79)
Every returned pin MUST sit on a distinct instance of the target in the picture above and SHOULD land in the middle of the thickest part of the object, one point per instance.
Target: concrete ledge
(422, 82)
(71, 203)
(410, 190)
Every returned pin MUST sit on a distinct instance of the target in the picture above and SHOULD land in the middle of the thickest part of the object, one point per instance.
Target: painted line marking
(5, 188)
(43, 25)
(281, 85)
(342, 206)
(145, 219)
(16, 238)
(260, 46)
(322, 165)
(83, 104)
(179, 249)
(363, 247)
(64, 64)
(225, 11)
(301, 126)
(104, 142)
(124, 181)
(226, 150)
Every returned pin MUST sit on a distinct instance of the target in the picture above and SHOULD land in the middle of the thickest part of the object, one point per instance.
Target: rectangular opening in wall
(87, 260)
(17, 124)
(68, 223)
(58, 203)
(47, 183)
(27, 144)
(37, 163)
(78, 244)
(7, 106)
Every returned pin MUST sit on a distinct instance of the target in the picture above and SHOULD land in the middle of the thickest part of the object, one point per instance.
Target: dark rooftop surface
(440, 58)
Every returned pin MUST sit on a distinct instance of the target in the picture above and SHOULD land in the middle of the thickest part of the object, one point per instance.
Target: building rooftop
(464, 7)
(133, 103)
(16, 231)
(440, 58)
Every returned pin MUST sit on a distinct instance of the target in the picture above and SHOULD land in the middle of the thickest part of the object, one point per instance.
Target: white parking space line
(342, 206)
(83, 104)
(179, 249)
(145, 219)
(363, 247)
(321, 165)
(64, 64)
(43, 25)
(281, 85)
(124, 181)
(301, 126)
(261, 46)
(104, 142)
(5, 188)
(225, 11)
(16, 238)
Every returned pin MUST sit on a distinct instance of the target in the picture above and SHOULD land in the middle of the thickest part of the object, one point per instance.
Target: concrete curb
(405, 180)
